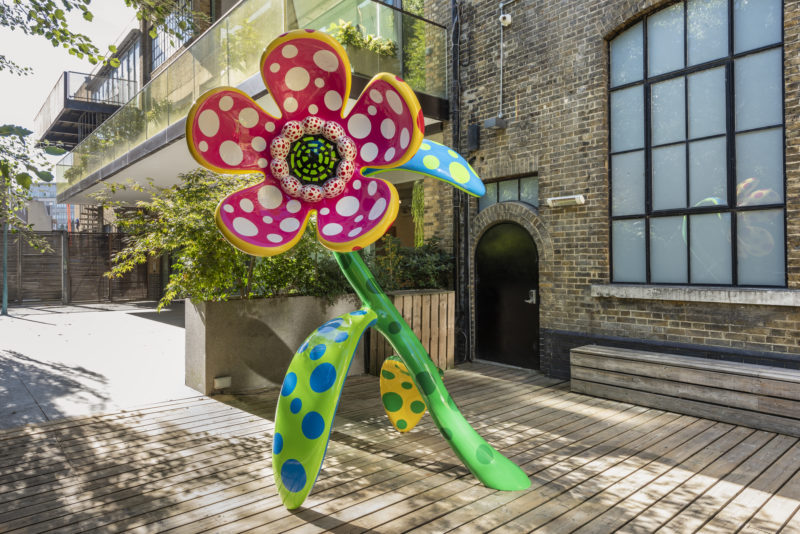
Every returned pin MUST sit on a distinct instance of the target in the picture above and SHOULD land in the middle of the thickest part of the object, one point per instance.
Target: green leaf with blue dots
(308, 400)
(441, 162)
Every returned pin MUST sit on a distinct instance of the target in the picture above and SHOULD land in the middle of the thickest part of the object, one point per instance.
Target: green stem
(489, 466)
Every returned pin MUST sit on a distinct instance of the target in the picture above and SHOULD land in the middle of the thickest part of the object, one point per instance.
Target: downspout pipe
(502, 53)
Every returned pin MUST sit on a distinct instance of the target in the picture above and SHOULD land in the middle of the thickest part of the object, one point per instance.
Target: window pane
(627, 119)
(529, 190)
(759, 90)
(627, 56)
(508, 190)
(707, 23)
(710, 242)
(667, 251)
(627, 251)
(708, 173)
(760, 247)
(665, 40)
(627, 183)
(756, 23)
(668, 103)
(489, 198)
(669, 177)
(759, 167)
(707, 103)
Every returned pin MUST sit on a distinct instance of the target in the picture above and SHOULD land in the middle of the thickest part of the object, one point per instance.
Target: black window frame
(646, 82)
(518, 198)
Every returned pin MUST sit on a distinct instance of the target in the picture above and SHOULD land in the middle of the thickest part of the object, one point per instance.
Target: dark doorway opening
(507, 291)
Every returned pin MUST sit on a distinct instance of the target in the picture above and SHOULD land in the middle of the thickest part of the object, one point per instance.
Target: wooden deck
(597, 466)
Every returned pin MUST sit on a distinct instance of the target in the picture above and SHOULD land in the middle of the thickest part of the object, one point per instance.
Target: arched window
(697, 146)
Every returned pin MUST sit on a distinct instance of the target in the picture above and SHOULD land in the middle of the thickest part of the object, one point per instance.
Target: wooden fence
(72, 271)
(431, 315)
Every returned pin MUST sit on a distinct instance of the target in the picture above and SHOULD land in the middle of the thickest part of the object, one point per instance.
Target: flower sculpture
(318, 158)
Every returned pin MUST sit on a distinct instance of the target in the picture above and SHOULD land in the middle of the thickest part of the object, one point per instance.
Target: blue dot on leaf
(313, 425)
(289, 383)
(322, 377)
(293, 475)
(317, 352)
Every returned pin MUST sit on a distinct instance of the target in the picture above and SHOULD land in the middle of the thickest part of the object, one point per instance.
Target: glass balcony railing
(229, 53)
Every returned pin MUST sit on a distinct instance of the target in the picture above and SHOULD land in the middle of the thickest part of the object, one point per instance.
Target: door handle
(531, 297)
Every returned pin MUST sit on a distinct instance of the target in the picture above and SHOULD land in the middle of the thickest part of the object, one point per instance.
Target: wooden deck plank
(597, 466)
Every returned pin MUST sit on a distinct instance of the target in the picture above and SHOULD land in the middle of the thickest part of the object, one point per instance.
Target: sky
(23, 96)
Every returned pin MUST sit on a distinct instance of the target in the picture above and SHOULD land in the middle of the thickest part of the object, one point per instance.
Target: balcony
(139, 141)
(77, 104)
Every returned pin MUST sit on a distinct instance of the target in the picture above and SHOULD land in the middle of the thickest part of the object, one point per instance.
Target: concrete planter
(253, 341)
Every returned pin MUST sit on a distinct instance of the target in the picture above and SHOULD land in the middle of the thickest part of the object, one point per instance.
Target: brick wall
(556, 59)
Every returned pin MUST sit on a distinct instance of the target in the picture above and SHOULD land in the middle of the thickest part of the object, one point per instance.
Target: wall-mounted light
(571, 200)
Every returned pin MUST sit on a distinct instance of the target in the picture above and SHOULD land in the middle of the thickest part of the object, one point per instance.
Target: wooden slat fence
(431, 315)
(72, 271)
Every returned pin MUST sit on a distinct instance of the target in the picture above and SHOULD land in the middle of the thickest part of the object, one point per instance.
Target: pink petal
(262, 220)
(229, 131)
(307, 73)
(386, 123)
(359, 216)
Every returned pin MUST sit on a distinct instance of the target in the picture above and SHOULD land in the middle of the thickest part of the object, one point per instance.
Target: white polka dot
(262, 162)
(319, 82)
(244, 227)
(246, 204)
(289, 51)
(275, 67)
(313, 109)
(389, 154)
(290, 104)
(270, 127)
(333, 101)
(290, 225)
(372, 110)
(275, 238)
(359, 218)
(258, 144)
(347, 206)
(354, 232)
(357, 185)
(376, 95)
(359, 126)
(372, 188)
(394, 102)
(248, 117)
(369, 152)
(293, 206)
(404, 138)
(378, 209)
(297, 78)
(208, 122)
(225, 103)
(203, 146)
(267, 219)
(388, 128)
(332, 229)
(228, 208)
(324, 211)
(326, 60)
(270, 197)
(231, 153)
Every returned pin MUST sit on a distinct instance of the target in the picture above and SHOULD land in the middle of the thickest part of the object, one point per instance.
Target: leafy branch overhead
(48, 19)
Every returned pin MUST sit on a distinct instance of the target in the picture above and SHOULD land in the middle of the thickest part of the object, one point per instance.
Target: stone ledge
(723, 295)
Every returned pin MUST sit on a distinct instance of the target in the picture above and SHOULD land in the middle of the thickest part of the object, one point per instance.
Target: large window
(165, 43)
(697, 136)
(516, 189)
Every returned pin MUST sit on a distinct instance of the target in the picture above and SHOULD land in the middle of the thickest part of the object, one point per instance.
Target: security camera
(505, 19)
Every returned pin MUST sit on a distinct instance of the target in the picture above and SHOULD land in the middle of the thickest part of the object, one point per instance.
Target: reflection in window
(164, 43)
(696, 146)
(516, 189)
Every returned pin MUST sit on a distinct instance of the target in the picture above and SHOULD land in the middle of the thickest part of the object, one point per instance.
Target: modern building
(641, 162)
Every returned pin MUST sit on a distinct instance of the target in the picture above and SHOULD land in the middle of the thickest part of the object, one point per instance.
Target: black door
(507, 314)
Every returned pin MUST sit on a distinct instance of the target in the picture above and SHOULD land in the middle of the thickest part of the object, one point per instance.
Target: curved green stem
(489, 466)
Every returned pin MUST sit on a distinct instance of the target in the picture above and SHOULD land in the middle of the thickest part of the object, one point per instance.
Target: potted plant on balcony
(369, 54)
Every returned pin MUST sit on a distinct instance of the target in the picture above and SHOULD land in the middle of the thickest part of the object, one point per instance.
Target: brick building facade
(556, 94)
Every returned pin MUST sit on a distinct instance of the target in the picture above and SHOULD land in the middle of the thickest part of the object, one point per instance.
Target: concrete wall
(253, 341)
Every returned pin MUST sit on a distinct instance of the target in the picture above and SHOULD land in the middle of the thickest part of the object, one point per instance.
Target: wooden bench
(756, 396)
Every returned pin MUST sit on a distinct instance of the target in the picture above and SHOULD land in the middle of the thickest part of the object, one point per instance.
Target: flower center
(313, 159)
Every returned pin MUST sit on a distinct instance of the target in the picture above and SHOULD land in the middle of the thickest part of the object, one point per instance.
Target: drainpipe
(505, 20)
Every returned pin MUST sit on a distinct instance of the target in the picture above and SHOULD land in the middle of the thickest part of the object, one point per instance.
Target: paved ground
(63, 361)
